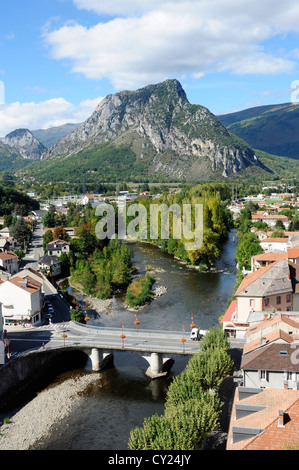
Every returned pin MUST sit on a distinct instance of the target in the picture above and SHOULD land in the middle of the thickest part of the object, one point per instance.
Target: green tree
(21, 232)
(47, 238)
(248, 246)
(191, 410)
(48, 220)
(77, 315)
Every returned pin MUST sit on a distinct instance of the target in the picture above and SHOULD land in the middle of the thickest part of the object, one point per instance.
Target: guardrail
(113, 330)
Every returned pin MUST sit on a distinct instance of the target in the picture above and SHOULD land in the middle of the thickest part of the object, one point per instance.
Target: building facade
(21, 300)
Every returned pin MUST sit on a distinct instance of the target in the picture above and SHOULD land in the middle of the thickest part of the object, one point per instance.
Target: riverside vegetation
(193, 406)
(216, 222)
(100, 268)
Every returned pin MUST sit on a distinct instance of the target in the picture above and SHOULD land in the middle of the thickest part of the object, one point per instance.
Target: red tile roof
(272, 437)
(229, 312)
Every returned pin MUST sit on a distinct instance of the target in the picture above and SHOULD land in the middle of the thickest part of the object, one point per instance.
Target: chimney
(281, 419)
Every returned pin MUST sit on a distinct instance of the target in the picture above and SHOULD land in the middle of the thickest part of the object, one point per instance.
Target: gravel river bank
(39, 418)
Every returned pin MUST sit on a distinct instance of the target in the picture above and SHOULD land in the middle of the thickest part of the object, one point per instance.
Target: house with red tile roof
(264, 259)
(276, 327)
(9, 262)
(293, 255)
(274, 287)
(274, 365)
(278, 244)
(264, 419)
(270, 219)
(21, 300)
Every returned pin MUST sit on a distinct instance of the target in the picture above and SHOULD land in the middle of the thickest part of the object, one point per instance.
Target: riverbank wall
(31, 371)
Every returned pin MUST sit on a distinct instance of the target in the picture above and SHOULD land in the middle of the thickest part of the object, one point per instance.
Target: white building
(275, 244)
(9, 262)
(58, 247)
(47, 287)
(21, 300)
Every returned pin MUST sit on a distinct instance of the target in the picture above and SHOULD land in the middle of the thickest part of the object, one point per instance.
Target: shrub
(140, 291)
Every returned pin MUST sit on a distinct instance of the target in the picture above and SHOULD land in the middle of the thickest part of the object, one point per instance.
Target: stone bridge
(156, 347)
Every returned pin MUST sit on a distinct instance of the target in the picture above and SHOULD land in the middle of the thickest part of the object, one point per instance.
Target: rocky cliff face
(166, 132)
(25, 143)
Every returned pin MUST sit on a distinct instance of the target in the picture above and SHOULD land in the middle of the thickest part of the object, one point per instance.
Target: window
(266, 302)
(263, 375)
(251, 302)
(278, 300)
(288, 297)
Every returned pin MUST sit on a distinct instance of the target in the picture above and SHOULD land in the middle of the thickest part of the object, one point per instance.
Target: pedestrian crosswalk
(58, 327)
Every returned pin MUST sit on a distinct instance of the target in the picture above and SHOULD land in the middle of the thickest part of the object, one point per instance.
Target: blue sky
(59, 58)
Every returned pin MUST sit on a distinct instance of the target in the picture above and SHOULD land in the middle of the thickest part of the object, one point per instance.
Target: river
(124, 396)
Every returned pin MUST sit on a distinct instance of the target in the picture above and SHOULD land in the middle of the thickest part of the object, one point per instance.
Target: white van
(194, 334)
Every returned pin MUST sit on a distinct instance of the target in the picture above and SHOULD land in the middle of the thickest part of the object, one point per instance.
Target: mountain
(154, 131)
(51, 136)
(11, 159)
(273, 128)
(23, 141)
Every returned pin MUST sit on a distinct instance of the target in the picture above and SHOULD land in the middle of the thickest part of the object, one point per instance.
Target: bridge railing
(113, 330)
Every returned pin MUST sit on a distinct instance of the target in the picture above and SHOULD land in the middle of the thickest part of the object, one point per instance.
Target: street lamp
(64, 335)
(136, 322)
(122, 335)
(192, 325)
(183, 340)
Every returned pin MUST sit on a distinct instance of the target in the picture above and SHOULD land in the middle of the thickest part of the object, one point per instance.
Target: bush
(140, 291)
(77, 315)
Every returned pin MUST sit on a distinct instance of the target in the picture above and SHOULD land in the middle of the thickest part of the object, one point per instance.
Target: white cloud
(43, 115)
(121, 7)
(169, 39)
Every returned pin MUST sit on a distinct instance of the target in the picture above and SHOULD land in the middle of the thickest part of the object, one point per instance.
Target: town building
(70, 231)
(275, 244)
(9, 262)
(269, 257)
(279, 327)
(273, 288)
(264, 419)
(47, 287)
(274, 365)
(50, 265)
(265, 259)
(270, 219)
(6, 232)
(57, 248)
(21, 300)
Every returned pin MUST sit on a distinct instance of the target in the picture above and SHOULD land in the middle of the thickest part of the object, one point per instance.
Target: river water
(124, 396)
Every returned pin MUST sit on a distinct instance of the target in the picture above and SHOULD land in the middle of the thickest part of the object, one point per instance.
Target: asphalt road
(35, 250)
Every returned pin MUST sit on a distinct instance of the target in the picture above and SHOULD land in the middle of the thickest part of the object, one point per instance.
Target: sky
(60, 58)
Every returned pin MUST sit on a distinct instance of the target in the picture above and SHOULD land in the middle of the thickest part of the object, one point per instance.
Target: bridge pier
(98, 359)
(158, 365)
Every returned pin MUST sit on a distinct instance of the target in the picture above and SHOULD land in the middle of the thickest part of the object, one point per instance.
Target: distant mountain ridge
(23, 141)
(272, 128)
(157, 130)
(49, 137)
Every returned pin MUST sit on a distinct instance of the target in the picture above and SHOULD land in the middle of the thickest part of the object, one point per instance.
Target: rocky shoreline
(39, 418)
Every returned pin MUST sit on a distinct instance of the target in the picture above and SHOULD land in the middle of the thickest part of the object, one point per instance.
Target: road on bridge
(52, 336)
